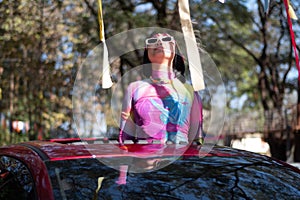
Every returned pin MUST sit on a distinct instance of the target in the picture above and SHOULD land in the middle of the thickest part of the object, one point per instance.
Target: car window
(15, 180)
(187, 178)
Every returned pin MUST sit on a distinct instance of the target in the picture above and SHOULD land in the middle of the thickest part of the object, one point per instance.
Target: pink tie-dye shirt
(169, 111)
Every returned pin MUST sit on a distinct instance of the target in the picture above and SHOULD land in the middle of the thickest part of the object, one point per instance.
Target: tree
(250, 32)
(44, 45)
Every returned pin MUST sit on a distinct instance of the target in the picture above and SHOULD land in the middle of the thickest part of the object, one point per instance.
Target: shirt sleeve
(196, 119)
(127, 125)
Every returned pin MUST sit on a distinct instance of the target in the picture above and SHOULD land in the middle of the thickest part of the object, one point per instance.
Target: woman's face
(161, 48)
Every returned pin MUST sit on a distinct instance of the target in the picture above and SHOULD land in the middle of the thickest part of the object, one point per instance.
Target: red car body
(35, 154)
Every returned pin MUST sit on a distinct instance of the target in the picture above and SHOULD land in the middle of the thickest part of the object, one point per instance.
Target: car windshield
(186, 178)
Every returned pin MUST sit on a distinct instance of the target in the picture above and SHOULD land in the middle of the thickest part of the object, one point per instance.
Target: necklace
(160, 81)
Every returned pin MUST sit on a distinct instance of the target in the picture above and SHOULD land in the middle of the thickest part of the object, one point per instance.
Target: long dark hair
(178, 65)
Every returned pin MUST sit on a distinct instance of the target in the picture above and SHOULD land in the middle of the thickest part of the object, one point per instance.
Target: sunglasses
(152, 41)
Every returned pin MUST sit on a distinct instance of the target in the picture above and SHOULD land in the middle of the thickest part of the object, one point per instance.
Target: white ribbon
(106, 80)
(191, 46)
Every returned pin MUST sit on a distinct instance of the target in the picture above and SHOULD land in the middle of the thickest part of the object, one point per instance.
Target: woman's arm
(127, 125)
(196, 120)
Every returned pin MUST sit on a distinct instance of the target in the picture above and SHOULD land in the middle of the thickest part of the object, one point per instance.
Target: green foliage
(250, 47)
(7, 138)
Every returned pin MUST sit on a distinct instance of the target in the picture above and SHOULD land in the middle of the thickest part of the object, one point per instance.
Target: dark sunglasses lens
(152, 40)
(167, 39)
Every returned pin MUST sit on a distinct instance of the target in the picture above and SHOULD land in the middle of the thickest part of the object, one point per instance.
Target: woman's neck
(162, 74)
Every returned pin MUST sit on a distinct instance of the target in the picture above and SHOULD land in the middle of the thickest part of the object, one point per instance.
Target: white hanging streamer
(106, 79)
(191, 46)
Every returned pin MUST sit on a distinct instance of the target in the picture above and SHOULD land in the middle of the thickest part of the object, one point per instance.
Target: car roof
(81, 148)
(77, 148)
(65, 151)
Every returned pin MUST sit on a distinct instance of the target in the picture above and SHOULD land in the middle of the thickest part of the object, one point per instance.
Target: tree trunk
(297, 132)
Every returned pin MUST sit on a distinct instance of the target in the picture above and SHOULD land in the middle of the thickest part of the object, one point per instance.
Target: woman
(161, 108)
